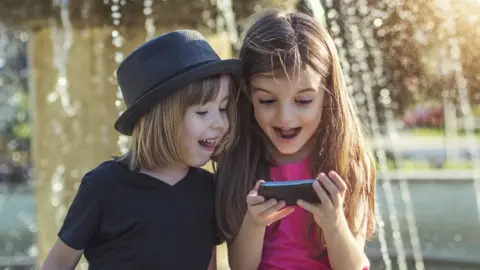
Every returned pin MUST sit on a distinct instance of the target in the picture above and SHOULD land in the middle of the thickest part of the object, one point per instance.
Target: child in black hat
(154, 207)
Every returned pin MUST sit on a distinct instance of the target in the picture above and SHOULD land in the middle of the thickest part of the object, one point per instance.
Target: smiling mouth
(287, 133)
(208, 143)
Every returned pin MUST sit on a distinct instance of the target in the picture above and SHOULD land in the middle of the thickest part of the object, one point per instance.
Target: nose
(285, 114)
(219, 122)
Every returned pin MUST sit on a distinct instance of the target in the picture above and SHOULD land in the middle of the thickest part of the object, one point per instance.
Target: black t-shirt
(128, 220)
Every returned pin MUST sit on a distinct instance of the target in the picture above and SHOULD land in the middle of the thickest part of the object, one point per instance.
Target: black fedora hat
(162, 66)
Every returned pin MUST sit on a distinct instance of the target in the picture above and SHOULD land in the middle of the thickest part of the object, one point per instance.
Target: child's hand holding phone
(265, 212)
(331, 191)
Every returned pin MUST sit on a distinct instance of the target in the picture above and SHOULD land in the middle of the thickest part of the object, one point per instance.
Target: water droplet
(116, 15)
(118, 42)
(147, 11)
(62, 81)
(33, 250)
(115, 33)
(119, 57)
(377, 22)
(52, 97)
(54, 201)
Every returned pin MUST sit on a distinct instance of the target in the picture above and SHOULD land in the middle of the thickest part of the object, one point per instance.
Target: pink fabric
(290, 245)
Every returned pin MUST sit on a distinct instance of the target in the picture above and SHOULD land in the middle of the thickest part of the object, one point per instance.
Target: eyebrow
(258, 89)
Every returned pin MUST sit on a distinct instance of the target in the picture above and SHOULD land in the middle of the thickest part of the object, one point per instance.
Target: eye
(304, 101)
(266, 101)
(202, 112)
(223, 110)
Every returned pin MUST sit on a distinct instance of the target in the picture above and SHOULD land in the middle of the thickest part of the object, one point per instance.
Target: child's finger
(281, 214)
(322, 194)
(313, 209)
(331, 188)
(254, 199)
(257, 185)
(272, 209)
(262, 207)
(338, 181)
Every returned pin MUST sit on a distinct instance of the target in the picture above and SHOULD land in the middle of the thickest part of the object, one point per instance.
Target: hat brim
(127, 120)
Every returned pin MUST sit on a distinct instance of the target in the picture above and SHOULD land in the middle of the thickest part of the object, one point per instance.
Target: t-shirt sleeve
(83, 216)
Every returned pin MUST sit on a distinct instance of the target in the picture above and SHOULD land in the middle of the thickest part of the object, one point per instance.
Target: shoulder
(104, 174)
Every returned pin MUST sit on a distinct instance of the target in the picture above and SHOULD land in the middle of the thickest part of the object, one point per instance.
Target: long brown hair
(279, 42)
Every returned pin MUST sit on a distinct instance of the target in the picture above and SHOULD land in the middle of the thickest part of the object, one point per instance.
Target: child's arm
(79, 226)
(344, 250)
(341, 242)
(62, 257)
(245, 251)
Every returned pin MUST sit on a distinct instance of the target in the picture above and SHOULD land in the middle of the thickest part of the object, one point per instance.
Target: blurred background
(413, 67)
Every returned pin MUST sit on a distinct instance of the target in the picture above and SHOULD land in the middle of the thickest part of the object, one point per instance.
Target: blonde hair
(280, 42)
(157, 139)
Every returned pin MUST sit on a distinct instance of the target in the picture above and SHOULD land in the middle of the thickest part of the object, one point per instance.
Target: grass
(436, 132)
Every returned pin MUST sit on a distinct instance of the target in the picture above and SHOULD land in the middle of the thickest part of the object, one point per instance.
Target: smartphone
(289, 191)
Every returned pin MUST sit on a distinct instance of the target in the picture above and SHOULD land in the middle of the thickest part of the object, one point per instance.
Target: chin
(198, 163)
(287, 150)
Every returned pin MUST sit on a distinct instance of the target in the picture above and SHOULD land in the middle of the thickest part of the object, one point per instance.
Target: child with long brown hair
(296, 121)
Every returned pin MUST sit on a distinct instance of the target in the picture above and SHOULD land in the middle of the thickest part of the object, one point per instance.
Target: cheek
(191, 127)
(262, 115)
(312, 115)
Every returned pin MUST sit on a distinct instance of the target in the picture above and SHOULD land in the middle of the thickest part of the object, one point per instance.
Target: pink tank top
(291, 244)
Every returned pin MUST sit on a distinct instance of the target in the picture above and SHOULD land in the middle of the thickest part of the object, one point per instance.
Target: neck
(171, 174)
(300, 155)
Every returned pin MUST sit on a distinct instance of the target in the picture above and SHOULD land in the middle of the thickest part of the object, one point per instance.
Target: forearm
(245, 252)
(343, 251)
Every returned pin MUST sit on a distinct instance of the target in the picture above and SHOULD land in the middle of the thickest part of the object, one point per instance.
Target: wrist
(340, 227)
(251, 223)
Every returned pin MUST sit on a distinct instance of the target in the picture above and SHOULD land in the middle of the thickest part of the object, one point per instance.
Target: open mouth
(287, 133)
(209, 143)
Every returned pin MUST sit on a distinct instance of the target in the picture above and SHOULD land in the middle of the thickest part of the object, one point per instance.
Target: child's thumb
(257, 185)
